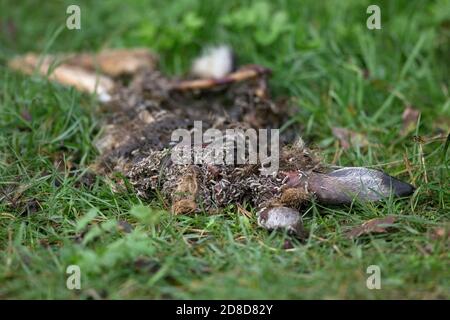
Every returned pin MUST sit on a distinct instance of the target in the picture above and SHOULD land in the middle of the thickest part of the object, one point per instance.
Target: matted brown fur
(136, 141)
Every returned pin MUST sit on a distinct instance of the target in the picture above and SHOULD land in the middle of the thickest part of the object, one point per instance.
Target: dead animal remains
(140, 117)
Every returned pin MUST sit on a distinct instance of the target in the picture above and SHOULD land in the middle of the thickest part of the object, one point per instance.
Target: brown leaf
(349, 138)
(410, 117)
(378, 225)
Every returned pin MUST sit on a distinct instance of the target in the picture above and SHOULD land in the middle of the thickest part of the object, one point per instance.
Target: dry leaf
(410, 117)
(349, 138)
(378, 225)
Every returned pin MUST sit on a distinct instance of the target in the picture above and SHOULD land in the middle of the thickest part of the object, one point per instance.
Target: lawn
(53, 213)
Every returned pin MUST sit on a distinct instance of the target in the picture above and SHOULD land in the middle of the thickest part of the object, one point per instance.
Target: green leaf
(86, 219)
(146, 215)
(192, 21)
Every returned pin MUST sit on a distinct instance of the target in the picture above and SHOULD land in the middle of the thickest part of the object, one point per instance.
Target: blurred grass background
(341, 75)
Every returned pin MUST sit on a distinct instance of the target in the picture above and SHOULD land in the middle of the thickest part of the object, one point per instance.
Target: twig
(244, 73)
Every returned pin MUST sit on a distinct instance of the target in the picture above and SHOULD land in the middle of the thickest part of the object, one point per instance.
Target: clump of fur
(215, 63)
(137, 142)
(216, 186)
(184, 206)
(294, 197)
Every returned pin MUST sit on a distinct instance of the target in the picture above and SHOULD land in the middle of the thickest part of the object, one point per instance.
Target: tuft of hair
(294, 197)
(215, 62)
(299, 143)
(184, 206)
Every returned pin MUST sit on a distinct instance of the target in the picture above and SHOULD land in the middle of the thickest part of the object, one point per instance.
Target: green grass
(340, 73)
